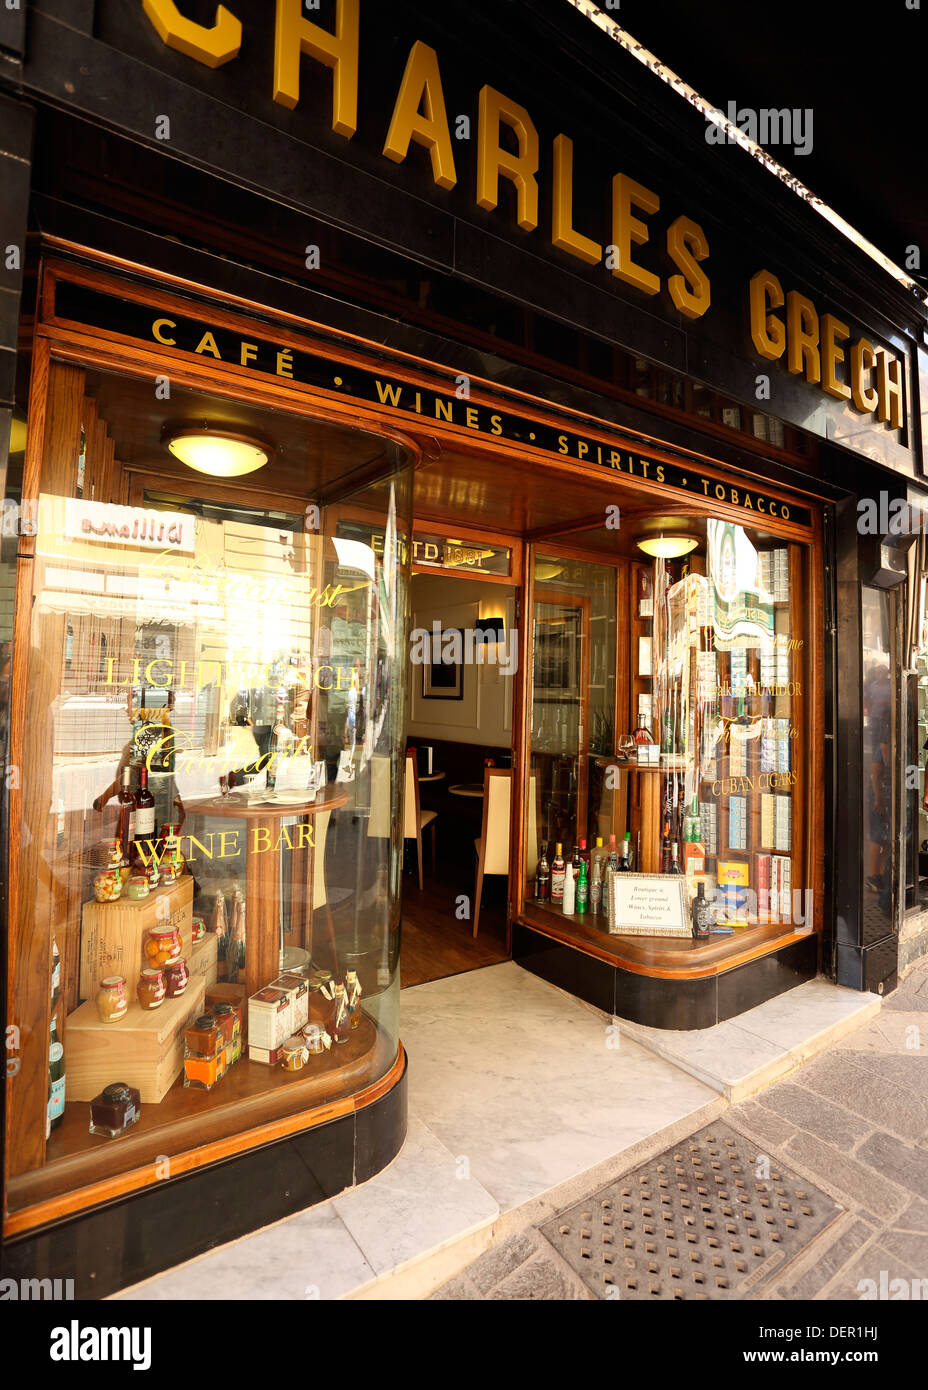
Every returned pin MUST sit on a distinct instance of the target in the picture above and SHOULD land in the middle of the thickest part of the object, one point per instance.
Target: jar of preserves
(200, 1073)
(197, 929)
(162, 945)
(176, 977)
(316, 1039)
(138, 887)
(226, 1019)
(293, 1053)
(112, 999)
(171, 855)
(116, 1109)
(202, 1038)
(107, 884)
(150, 989)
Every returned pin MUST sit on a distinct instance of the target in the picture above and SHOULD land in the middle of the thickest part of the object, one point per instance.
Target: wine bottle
(55, 1075)
(144, 837)
(125, 827)
(624, 866)
(542, 875)
(674, 858)
(558, 874)
(665, 849)
(632, 861)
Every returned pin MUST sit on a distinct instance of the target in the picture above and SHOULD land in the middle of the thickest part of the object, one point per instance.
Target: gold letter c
(210, 46)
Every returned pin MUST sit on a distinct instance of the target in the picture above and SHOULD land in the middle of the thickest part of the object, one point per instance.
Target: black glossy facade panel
(683, 1004)
(121, 1244)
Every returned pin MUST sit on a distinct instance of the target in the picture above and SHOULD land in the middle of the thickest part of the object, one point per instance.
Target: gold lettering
(768, 334)
(686, 247)
(628, 230)
(422, 84)
(863, 359)
(249, 353)
(833, 332)
(802, 324)
(285, 363)
(208, 344)
(156, 331)
(211, 45)
(493, 162)
(563, 235)
(339, 51)
(889, 372)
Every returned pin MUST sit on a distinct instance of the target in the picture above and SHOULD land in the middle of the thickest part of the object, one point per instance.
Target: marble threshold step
(762, 1045)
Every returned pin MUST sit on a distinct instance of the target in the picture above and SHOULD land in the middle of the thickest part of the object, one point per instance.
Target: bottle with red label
(144, 839)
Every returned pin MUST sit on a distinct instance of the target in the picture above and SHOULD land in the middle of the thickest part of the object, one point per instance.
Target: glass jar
(293, 1053)
(170, 850)
(113, 856)
(176, 977)
(107, 884)
(162, 945)
(138, 887)
(112, 999)
(224, 1014)
(203, 1038)
(316, 1039)
(197, 929)
(116, 1109)
(150, 988)
(201, 1073)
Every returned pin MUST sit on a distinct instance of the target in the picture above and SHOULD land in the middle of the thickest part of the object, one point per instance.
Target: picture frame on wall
(445, 680)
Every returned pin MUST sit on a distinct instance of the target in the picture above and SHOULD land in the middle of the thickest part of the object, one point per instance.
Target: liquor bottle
(667, 732)
(55, 1075)
(624, 866)
(632, 861)
(596, 885)
(144, 818)
(583, 888)
(674, 858)
(585, 856)
(543, 875)
(702, 914)
(56, 972)
(558, 868)
(568, 903)
(125, 826)
(576, 861)
(665, 849)
(692, 825)
(643, 733)
(613, 853)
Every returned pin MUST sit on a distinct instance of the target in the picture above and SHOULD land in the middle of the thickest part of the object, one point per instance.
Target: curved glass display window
(702, 777)
(205, 925)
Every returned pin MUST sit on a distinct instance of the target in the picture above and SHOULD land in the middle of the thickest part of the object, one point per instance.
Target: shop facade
(291, 328)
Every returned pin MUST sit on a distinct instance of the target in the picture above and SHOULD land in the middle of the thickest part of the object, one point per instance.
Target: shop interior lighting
(667, 546)
(218, 452)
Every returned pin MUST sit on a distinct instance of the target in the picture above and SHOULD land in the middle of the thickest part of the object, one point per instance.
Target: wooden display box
(145, 1049)
(113, 934)
(203, 958)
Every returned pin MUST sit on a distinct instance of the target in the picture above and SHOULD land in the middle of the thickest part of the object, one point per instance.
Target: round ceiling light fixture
(217, 450)
(667, 545)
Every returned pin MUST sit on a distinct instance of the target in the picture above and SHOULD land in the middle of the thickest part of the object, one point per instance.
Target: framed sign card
(648, 905)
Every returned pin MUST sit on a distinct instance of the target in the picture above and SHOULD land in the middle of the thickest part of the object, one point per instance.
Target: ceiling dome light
(217, 451)
(667, 547)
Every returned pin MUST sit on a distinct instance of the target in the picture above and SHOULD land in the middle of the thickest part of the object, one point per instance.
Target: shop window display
(705, 781)
(206, 925)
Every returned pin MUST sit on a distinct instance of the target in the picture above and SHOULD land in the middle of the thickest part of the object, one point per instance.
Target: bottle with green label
(583, 887)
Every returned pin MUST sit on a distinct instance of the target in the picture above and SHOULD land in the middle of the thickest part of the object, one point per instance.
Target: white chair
(493, 846)
(414, 818)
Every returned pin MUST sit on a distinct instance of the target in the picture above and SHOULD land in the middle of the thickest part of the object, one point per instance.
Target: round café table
(467, 789)
(431, 776)
(262, 869)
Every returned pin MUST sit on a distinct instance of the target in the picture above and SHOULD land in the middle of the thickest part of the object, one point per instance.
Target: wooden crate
(112, 934)
(145, 1049)
(203, 956)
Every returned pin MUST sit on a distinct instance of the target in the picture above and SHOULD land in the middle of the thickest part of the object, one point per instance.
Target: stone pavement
(854, 1122)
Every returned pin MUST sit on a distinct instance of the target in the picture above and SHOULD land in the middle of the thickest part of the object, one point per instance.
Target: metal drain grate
(695, 1222)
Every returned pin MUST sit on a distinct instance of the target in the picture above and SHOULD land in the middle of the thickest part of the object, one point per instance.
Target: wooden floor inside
(437, 943)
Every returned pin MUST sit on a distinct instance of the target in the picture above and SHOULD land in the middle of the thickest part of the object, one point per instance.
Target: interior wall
(484, 715)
